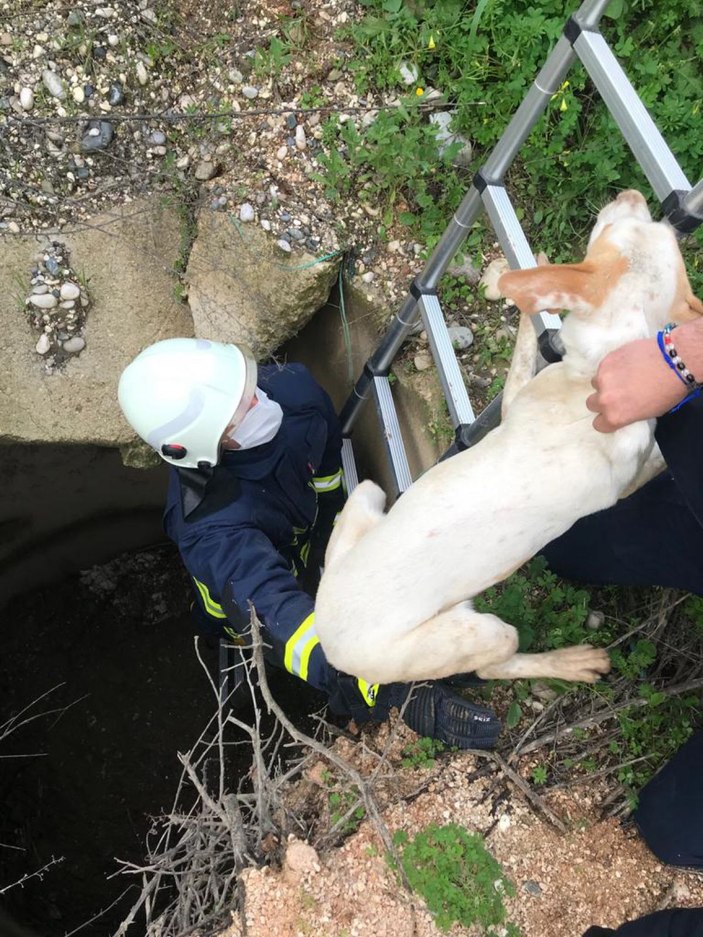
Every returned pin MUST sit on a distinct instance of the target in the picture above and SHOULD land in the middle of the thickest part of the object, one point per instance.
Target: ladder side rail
(632, 117)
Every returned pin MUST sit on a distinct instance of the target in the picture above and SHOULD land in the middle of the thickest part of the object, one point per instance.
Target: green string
(346, 333)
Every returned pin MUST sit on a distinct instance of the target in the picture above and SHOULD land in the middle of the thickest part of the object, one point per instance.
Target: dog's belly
(473, 520)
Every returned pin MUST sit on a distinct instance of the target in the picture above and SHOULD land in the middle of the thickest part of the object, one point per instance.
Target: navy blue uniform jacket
(255, 539)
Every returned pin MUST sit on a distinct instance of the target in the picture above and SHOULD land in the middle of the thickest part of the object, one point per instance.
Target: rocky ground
(222, 106)
(596, 872)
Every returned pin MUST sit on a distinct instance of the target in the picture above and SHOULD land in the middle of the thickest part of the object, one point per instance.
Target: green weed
(457, 876)
(421, 753)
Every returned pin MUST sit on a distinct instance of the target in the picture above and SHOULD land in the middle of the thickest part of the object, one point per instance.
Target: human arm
(635, 383)
(244, 567)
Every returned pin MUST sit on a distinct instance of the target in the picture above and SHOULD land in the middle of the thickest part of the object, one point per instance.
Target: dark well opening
(95, 634)
(107, 655)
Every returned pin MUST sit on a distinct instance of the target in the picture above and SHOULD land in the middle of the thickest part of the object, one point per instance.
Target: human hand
(633, 383)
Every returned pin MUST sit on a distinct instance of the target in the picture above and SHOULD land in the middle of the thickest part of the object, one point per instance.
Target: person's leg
(648, 539)
(670, 810)
(672, 922)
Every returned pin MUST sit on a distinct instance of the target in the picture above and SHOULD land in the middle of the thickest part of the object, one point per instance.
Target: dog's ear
(578, 288)
(687, 309)
(550, 287)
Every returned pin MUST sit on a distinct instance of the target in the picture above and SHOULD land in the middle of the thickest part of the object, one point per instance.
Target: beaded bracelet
(675, 362)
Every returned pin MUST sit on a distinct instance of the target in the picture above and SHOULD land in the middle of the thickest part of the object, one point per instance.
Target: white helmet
(181, 394)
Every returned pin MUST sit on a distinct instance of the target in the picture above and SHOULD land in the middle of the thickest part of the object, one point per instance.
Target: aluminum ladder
(681, 204)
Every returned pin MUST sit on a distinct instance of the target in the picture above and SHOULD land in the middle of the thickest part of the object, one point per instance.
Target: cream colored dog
(394, 601)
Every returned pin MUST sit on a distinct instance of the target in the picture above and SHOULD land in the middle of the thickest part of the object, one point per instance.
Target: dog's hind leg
(454, 641)
(460, 639)
(583, 662)
(363, 510)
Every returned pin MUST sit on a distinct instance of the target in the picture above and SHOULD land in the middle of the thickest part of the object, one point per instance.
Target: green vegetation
(649, 724)
(345, 811)
(422, 753)
(457, 876)
(483, 58)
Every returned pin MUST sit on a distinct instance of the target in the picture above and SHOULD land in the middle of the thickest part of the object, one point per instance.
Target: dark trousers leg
(648, 539)
(651, 538)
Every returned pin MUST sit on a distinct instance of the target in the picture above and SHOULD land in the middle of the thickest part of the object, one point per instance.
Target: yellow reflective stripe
(368, 690)
(232, 635)
(211, 606)
(300, 646)
(305, 553)
(327, 482)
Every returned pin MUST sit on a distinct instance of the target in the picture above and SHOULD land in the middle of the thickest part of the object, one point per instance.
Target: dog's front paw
(489, 281)
(583, 663)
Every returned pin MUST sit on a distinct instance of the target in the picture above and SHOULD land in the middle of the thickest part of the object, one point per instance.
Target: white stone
(300, 139)
(43, 300)
(461, 337)
(265, 224)
(408, 73)
(70, 290)
(53, 84)
(113, 40)
(78, 94)
(44, 344)
(27, 99)
(13, 227)
(423, 361)
(74, 345)
(282, 152)
(249, 91)
(246, 212)
(142, 76)
(284, 246)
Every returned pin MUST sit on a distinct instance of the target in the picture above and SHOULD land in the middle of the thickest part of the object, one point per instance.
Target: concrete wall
(419, 403)
(64, 508)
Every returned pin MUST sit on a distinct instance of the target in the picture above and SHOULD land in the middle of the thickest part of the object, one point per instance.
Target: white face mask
(260, 424)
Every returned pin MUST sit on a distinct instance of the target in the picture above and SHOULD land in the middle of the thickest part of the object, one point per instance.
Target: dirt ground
(597, 872)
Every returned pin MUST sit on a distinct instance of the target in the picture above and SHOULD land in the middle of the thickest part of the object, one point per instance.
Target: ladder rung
(633, 119)
(351, 476)
(514, 243)
(391, 433)
(452, 382)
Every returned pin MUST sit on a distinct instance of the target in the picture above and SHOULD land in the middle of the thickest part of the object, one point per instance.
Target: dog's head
(632, 263)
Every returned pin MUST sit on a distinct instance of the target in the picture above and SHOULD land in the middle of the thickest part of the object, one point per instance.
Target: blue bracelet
(670, 355)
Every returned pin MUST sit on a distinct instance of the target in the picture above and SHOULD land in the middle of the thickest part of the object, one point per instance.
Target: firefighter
(255, 484)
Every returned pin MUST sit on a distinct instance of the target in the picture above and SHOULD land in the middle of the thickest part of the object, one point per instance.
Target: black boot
(435, 711)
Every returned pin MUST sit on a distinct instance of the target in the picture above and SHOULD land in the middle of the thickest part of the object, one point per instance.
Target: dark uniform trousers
(256, 531)
(655, 537)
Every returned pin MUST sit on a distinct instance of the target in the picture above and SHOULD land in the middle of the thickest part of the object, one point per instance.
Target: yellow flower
(563, 106)
(419, 92)
(431, 43)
